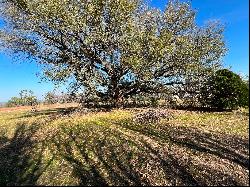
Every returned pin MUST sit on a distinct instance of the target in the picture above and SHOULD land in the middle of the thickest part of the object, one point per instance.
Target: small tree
(50, 98)
(225, 90)
(26, 98)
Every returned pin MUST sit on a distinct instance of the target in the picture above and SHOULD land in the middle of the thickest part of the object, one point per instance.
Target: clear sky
(234, 13)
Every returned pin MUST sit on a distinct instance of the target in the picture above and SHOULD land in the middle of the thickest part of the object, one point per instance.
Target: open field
(55, 147)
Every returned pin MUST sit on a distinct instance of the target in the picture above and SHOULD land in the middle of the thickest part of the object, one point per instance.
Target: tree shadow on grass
(83, 168)
(203, 109)
(231, 147)
(18, 166)
(49, 112)
(127, 155)
(95, 158)
(59, 112)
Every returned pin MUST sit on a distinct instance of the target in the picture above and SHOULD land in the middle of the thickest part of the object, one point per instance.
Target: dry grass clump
(151, 116)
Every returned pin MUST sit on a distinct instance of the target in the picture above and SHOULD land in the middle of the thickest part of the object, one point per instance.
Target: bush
(14, 101)
(225, 90)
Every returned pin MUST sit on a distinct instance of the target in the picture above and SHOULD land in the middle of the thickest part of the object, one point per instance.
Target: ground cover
(54, 146)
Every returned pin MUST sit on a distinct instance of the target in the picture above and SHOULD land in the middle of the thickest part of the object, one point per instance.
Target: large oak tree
(112, 48)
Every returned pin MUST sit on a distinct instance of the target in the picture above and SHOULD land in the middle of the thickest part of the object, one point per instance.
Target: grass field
(55, 147)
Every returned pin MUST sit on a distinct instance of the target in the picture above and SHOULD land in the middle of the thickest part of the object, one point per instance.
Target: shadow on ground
(49, 112)
(124, 153)
(59, 112)
(144, 155)
(18, 166)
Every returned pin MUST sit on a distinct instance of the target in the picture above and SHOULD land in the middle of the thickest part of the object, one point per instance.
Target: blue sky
(234, 13)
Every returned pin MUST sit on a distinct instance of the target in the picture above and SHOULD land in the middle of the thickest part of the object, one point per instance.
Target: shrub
(14, 101)
(225, 90)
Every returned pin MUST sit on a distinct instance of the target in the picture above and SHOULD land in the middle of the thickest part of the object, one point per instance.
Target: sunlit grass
(224, 122)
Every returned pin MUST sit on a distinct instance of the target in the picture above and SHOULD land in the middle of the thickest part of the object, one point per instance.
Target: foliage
(26, 98)
(244, 99)
(50, 98)
(225, 90)
(113, 49)
(14, 101)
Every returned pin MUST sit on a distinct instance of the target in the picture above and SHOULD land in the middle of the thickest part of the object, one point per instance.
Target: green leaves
(117, 46)
(26, 98)
(226, 90)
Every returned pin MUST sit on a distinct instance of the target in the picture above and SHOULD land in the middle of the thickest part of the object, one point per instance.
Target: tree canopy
(112, 49)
